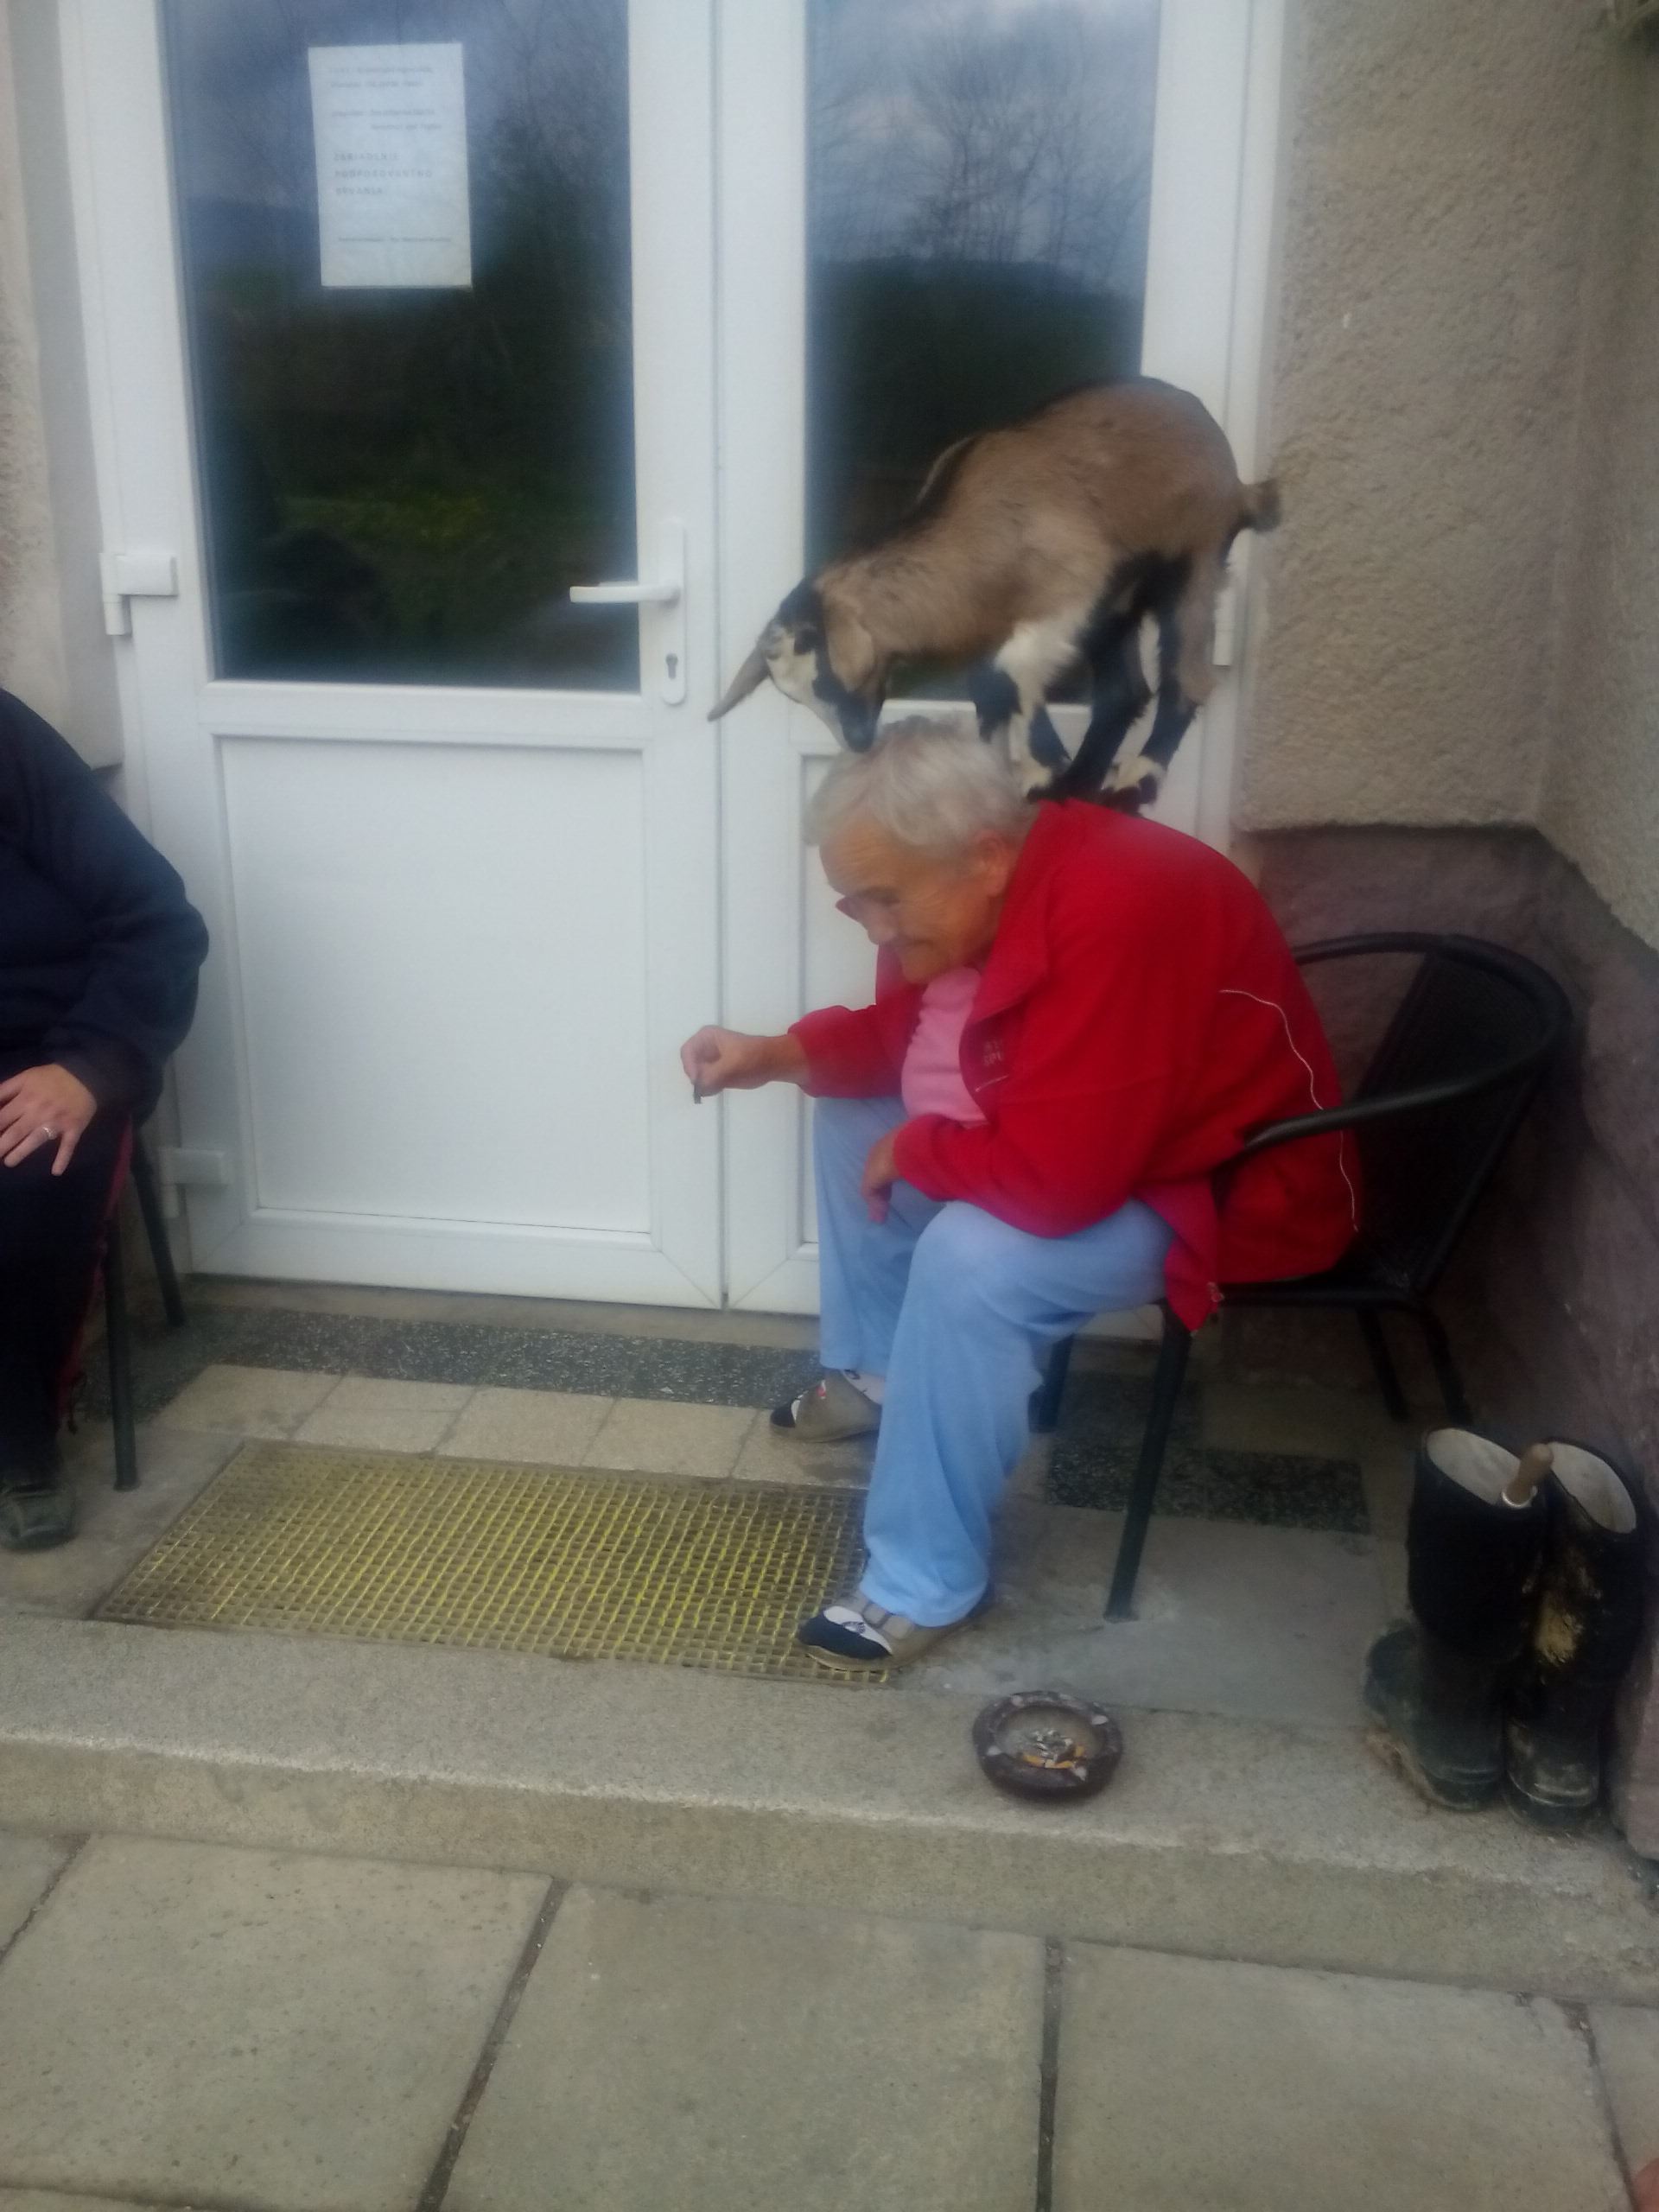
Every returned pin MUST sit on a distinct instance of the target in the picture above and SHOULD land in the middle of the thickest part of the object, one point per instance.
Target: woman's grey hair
(932, 785)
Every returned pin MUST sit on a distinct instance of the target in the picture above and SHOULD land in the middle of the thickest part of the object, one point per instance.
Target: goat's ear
(748, 678)
(852, 658)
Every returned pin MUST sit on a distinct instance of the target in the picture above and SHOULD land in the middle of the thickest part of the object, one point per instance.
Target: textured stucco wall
(1441, 166)
(53, 649)
(1600, 801)
(31, 638)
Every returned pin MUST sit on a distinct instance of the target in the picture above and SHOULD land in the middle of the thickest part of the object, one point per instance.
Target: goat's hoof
(1128, 801)
(1133, 785)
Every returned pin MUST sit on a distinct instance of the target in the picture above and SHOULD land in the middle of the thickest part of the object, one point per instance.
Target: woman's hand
(44, 1105)
(725, 1060)
(881, 1173)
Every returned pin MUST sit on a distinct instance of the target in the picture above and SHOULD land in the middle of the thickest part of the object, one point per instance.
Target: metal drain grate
(386, 1547)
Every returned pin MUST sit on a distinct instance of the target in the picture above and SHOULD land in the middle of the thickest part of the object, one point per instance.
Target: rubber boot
(1584, 1637)
(1473, 1567)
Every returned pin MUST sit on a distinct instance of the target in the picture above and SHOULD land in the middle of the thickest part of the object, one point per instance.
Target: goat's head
(822, 656)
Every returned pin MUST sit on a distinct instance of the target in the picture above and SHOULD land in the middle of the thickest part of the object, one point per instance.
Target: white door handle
(668, 591)
(134, 576)
(625, 594)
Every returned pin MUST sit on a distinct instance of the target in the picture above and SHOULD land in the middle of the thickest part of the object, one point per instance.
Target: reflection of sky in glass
(978, 184)
(985, 131)
(540, 80)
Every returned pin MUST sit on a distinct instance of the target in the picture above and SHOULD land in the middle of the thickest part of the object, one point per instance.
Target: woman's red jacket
(1139, 1015)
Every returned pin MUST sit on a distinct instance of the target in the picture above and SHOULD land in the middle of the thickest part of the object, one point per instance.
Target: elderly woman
(98, 954)
(1078, 1017)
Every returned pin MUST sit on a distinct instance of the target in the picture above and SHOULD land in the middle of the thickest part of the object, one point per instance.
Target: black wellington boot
(1584, 1637)
(1474, 1562)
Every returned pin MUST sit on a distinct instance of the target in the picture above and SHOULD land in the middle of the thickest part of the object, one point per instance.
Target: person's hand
(42, 1106)
(881, 1173)
(725, 1060)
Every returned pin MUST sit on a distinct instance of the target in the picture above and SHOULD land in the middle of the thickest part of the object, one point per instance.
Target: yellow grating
(395, 1548)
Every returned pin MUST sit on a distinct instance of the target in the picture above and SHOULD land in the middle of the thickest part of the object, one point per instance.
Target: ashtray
(1047, 1744)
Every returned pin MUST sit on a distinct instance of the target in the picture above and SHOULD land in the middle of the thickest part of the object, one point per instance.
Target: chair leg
(1165, 1394)
(117, 1345)
(1445, 1368)
(1046, 1407)
(160, 1251)
(1387, 1380)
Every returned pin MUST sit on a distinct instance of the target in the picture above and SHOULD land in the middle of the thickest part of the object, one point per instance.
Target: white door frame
(1214, 162)
(176, 718)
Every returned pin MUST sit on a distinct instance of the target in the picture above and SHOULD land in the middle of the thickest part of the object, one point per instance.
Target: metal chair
(117, 1336)
(1435, 1113)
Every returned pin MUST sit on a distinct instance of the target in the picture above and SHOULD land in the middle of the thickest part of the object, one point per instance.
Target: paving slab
(549, 1428)
(1386, 1450)
(1395, 1570)
(772, 1455)
(269, 1402)
(1191, 2085)
(28, 1866)
(250, 2028)
(1256, 1623)
(1260, 1417)
(117, 1527)
(366, 1414)
(1216, 1837)
(648, 1436)
(1627, 2050)
(731, 2057)
(51, 2200)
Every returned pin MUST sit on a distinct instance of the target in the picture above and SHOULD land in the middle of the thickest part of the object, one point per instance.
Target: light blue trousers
(955, 1308)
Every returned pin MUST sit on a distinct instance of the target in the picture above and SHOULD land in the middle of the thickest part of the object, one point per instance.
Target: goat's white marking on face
(795, 674)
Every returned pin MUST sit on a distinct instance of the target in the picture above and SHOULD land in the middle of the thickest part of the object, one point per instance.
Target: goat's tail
(1261, 505)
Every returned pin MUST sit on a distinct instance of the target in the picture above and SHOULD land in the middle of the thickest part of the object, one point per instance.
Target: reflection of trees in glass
(405, 483)
(978, 183)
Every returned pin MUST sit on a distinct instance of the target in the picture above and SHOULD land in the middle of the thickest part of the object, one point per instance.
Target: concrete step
(1224, 1837)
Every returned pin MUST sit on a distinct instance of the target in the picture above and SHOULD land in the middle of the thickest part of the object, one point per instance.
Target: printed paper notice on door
(391, 127)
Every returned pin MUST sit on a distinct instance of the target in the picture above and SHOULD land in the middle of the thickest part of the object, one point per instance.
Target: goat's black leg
(1186, 679)
(995, 697)
(1121, 693)
(1047, 746)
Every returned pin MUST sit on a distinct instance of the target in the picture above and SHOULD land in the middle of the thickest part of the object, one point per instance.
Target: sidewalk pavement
(187, 2026)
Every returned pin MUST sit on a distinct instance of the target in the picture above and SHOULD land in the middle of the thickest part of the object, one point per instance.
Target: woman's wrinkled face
(936, 914)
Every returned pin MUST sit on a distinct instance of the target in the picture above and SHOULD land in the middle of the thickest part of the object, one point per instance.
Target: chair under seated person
(118, 1334)
(1436, 1109)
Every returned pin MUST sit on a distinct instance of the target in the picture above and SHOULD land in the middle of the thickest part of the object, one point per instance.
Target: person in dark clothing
(98, 954)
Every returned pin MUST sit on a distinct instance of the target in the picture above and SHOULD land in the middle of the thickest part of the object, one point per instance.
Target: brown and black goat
(1030, 549)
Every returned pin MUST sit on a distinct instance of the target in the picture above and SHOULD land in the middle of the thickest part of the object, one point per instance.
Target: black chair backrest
(1477, 1028)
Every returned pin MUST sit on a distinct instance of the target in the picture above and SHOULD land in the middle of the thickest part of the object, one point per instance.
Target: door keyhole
(673, 666)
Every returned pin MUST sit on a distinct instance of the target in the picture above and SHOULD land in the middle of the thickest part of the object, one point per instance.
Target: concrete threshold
(1219, 1839)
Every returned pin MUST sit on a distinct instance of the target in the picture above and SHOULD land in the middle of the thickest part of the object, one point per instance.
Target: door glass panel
(404, 469)
(979, 177)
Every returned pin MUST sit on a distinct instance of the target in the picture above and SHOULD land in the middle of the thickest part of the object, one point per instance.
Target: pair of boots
(1527, 1599)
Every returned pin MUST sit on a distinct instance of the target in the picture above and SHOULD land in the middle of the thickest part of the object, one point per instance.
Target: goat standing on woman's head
(1030, 549)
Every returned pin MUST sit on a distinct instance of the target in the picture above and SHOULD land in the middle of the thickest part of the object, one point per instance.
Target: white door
(401, 320)
(991, 200)
(728, 273)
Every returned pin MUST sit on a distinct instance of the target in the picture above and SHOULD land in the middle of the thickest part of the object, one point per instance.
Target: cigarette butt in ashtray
(1535, 1463)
